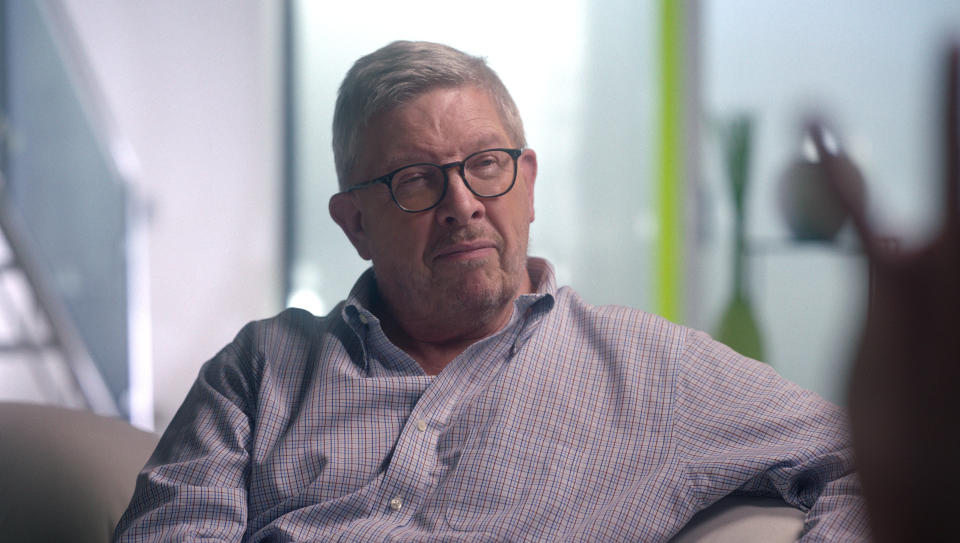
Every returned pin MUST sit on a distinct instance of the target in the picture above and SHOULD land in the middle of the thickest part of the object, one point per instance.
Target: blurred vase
(738, 326)
(808, 203)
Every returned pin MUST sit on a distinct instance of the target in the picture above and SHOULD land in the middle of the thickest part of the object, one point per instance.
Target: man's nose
(459, 205)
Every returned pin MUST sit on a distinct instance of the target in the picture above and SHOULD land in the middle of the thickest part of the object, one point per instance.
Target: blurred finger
(840, 180)
(952, 137)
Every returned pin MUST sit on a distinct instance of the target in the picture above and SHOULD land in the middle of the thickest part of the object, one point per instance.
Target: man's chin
(480, 291)
(477, 285)
(454, 275)
(466, 262)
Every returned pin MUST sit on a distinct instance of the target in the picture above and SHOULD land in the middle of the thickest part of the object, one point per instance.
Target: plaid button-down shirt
(573, 423)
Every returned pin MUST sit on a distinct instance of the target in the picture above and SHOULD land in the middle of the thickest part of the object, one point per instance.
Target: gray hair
(399, 72)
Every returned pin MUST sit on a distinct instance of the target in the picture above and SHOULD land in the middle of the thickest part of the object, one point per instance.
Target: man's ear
(345, 212)
(527, 166)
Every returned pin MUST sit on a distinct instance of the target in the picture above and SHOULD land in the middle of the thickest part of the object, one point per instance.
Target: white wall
(872, 69)
(194, 86)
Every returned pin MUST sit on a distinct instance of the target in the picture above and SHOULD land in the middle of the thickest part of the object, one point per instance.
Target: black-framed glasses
(418, 187)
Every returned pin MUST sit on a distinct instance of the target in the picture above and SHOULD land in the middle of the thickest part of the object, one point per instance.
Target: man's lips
(464, 249)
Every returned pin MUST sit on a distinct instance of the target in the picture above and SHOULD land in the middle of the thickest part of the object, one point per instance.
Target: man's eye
(410, 180)
(484, 162)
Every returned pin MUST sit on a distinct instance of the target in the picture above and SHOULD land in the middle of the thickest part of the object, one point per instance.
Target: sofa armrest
(66, 475)
(741, 519)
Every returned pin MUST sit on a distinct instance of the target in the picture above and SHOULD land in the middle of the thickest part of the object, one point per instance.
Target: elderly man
(457, 394)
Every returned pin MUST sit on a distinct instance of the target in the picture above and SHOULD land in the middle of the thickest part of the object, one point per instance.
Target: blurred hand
(904, 395)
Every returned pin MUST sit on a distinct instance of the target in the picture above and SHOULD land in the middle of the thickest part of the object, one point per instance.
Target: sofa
(67, 475)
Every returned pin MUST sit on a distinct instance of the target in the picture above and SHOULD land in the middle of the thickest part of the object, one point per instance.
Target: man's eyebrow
(490, 141)
(399, 160)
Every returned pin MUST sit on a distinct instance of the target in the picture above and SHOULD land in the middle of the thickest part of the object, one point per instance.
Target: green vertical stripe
(669, 273)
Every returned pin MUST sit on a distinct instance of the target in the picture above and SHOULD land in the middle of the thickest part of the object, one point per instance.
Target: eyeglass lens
(420, 186)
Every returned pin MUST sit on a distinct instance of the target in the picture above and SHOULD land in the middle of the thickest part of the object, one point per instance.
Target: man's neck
(434, 342)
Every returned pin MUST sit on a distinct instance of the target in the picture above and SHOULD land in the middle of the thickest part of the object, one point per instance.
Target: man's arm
(744, 429)
(194, 486)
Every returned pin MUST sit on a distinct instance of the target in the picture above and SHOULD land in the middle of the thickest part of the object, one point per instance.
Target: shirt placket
(413, 471)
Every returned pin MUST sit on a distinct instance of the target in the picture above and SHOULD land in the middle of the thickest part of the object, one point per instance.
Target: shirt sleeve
(194, 487)
(742, 428)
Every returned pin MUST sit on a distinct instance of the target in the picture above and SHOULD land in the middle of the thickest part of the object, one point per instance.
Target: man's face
(468, 254)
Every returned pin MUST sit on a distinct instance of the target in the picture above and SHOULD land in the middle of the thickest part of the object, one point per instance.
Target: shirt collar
(541, 300)
(356, 311)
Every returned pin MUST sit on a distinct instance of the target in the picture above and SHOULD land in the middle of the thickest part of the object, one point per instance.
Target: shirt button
(421, 425)
(396, 503)
(363, 319)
